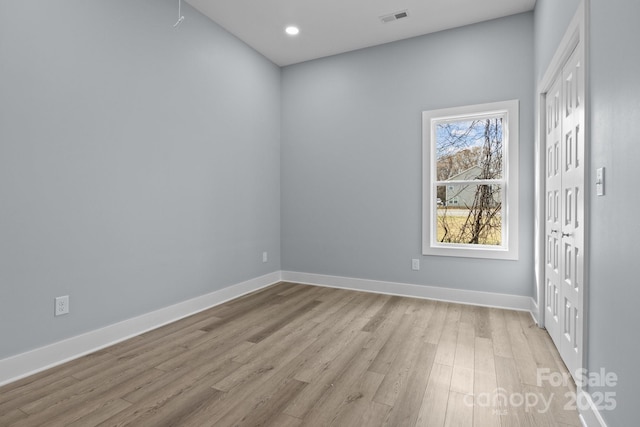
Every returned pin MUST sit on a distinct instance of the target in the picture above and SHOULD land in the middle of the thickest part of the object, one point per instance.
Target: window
(470, 181)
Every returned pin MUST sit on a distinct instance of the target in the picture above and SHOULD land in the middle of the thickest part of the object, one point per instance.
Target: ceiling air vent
(394, 16)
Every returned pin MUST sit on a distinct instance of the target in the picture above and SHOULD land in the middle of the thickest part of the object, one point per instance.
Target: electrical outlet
(62, 305)
(415, 264)
(265, 256)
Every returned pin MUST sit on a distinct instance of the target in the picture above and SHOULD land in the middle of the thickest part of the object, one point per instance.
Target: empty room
(305, 213)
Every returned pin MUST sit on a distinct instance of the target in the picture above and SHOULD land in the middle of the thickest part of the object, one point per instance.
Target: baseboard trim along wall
(31, 362)
(28, 363)
(486, 299)
(535, 311)
(590, 417)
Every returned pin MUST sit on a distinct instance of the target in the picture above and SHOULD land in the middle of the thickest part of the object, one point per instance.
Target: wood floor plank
(152, 338)
(401, 368)
(11, 417)
(181, 377)
(312, 395)
(463, 363)
(538, 407)
(291, 289)
(433, 409)
(422, 311)
(383, 314)
(334, 304)
(484, 357)
(272, 359)
(485, 386)
(281, 322)
(166, 406)
(208, 411)
(264, 410)
(262, 384)
(331, 401)
(508, 380)
(33, 383)
(358, 402)
(266, 403)
(449, 338)
(209, 352)
(179, 408)
(542, 349)
(436, 323)
(229, 337)
(263, 297)
(499, 336)
(410, 391)
(385, 331)
(375, 415)
(68, 406)
(327, 348)
(373, 303)
(546, 363)
(554, 405)
(301, 355)
(284, 420)
(300, 333)
(482, 322)
(486, 412)
(302, 329)
(526, 365)
(263, 307)
(391, 348)
(148, 356)
(467, 314)
(108, 410)
(264, 311)
(23, 397)
(459, 411)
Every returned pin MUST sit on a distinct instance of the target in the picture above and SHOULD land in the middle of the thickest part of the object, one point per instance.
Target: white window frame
(509, 248)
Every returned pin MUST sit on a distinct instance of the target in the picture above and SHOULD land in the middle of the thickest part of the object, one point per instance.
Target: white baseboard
(28, 363)
(590, 417)
(486, 299)
(535, 311)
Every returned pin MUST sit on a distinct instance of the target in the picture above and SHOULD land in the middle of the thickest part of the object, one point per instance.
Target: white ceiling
(329, 27)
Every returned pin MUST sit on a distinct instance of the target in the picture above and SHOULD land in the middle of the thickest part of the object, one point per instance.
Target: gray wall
(351, 153)
(614, 119)
(552, 18)
(615, 144)
(139, 165)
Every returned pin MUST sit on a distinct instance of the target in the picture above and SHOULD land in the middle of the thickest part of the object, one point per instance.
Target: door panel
(573, 227)
(565, 211)
(553, 220)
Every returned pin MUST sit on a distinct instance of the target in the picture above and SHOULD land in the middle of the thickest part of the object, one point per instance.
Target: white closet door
(565, 228)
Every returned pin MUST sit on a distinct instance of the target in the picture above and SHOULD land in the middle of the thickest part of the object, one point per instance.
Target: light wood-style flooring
(297, 355)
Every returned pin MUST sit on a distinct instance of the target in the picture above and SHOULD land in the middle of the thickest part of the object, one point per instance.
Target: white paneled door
(564, 211)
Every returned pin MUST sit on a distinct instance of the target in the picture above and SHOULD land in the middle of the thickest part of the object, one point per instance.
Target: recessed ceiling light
(292, 30)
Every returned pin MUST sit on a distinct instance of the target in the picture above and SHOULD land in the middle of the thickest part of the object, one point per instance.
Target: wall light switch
(600, 181)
